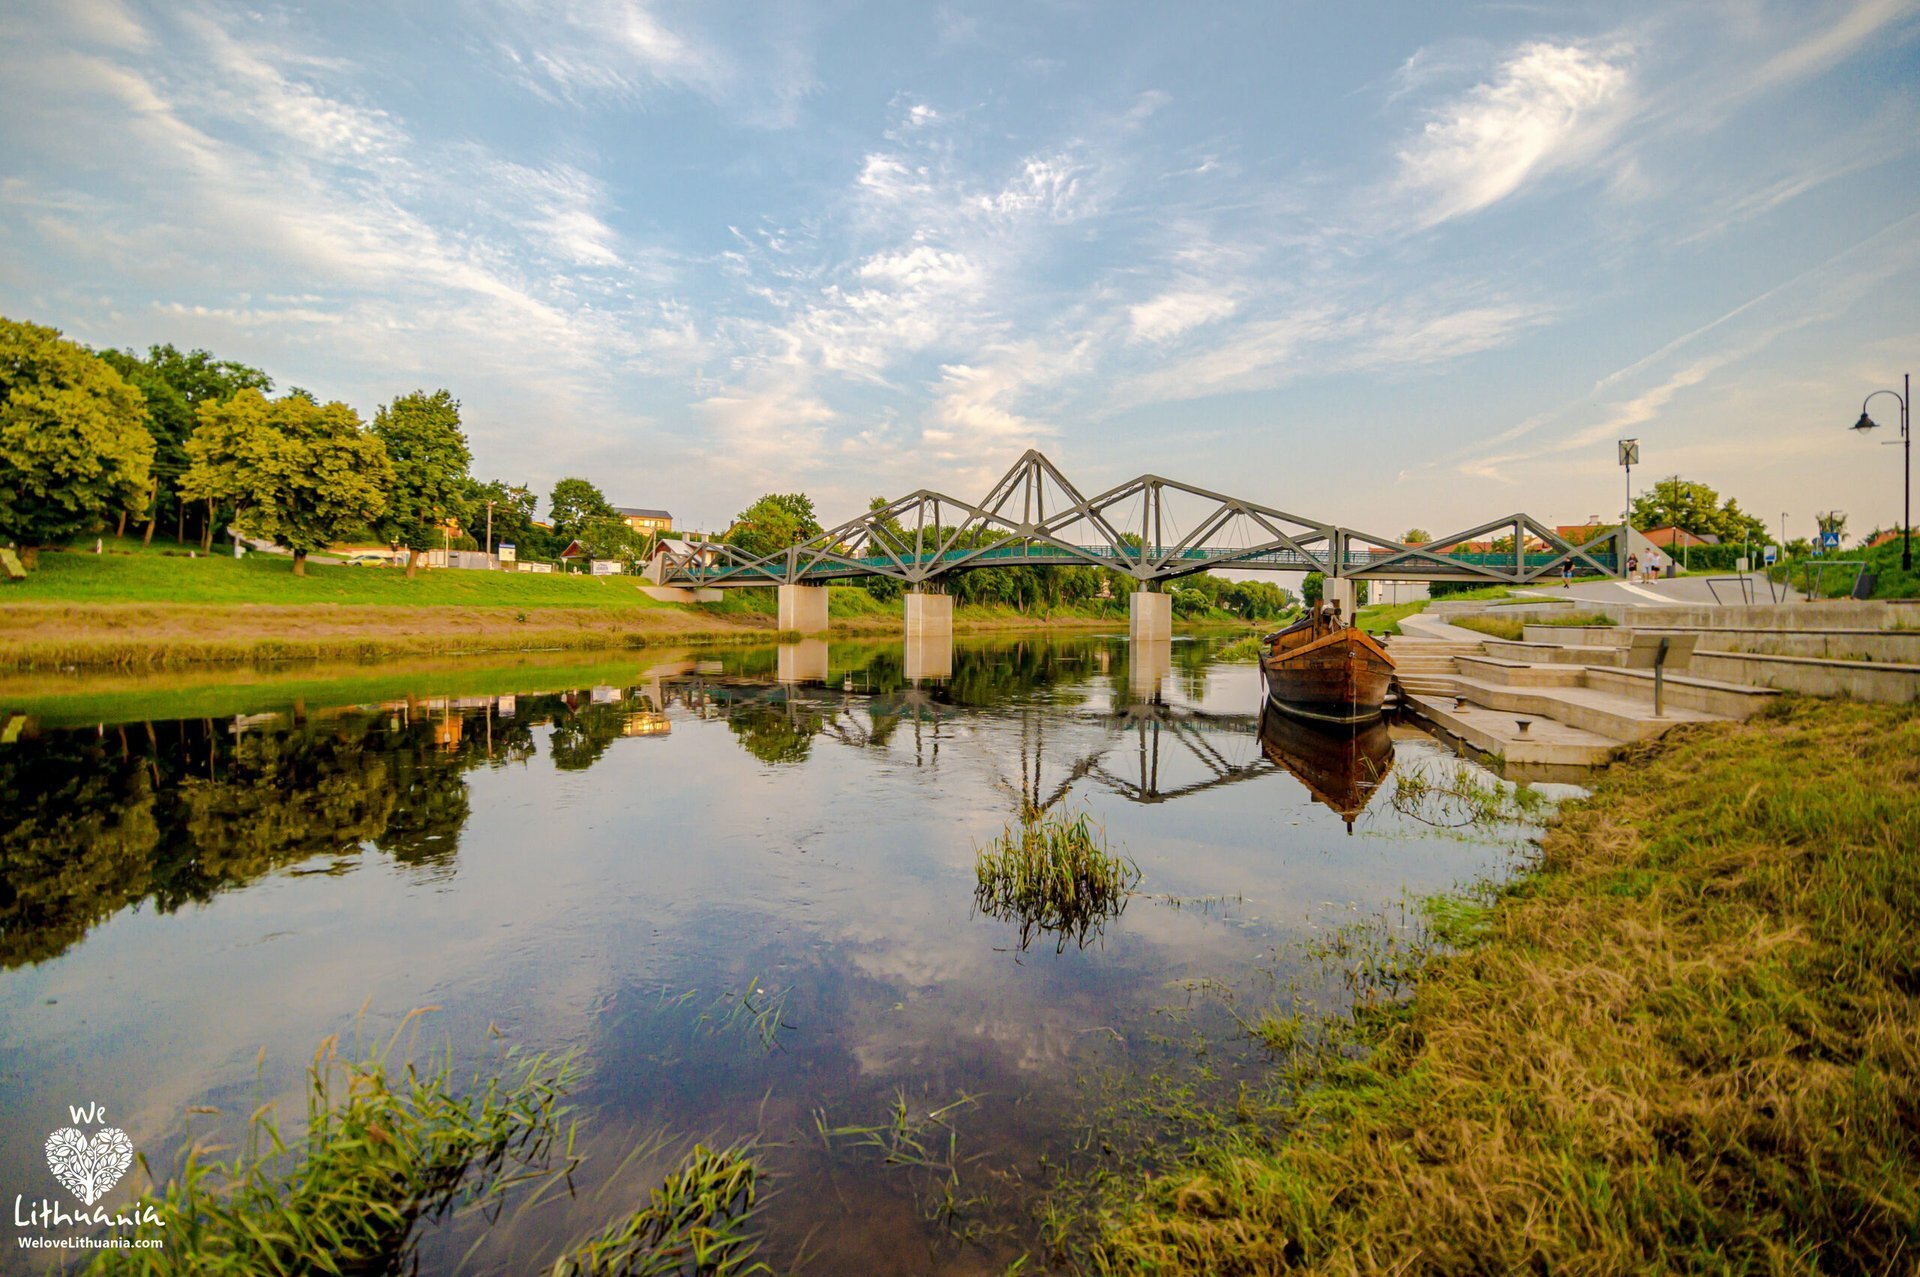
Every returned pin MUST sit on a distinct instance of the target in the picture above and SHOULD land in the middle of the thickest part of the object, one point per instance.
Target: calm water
(189, 904)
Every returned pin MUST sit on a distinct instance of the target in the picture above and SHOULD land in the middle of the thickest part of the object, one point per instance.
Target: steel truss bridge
(1150, 528)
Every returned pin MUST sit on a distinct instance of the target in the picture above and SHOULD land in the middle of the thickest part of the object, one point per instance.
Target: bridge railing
(1044, 555)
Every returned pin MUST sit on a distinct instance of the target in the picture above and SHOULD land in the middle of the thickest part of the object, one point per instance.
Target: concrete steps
(1545, 742)
(1619, 718)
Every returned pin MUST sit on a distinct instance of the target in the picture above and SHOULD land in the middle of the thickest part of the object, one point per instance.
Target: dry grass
(1689, 1042)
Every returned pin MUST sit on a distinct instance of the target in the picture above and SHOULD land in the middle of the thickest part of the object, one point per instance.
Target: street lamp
(1867, 423)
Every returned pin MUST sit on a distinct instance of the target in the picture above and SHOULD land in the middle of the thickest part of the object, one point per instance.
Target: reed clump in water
(696, 1222)
(392, 1143)
(1053, 875)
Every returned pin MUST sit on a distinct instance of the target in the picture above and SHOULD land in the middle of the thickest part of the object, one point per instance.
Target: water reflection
(593, 868)
(1341, 764)
(176, 811)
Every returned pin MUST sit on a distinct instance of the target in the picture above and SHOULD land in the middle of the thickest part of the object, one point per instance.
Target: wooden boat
(1321, 669)
(1341, 764)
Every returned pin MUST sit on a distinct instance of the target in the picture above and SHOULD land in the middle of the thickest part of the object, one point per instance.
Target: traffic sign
(1830, 540)
(1771, 555)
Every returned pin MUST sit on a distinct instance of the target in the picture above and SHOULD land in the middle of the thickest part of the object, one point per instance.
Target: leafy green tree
(1696, 508)
(200, 378)
(773, 523)
(74, 446)
(512, 517)
(1313, 587)
(296, 472)
(1415, 536)
(614, 538)
(175, 386)
(430, 457)
(572, 504)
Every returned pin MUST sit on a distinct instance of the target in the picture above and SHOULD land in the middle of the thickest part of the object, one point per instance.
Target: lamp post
(1867, 423)
(1629, 454)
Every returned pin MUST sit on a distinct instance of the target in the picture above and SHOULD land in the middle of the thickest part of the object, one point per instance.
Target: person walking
(1566, 575)
(1633, 568)
(1653, 566)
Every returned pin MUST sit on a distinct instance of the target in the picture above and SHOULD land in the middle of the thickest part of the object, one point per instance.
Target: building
(645, 522)
(1672, 538)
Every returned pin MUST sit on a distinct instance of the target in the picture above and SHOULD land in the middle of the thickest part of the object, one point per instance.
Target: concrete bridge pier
(929, 658)
(1149, 616)
(802, 662)
(929, 615)
(1149, 661)
(803, 608)
(1340, 589)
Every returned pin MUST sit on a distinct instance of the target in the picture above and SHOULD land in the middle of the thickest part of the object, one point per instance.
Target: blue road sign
(1830, 540)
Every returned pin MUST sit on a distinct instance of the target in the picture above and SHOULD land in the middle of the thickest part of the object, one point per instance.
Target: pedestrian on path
(1633, 568)
(1566, 575)
(1653, 564)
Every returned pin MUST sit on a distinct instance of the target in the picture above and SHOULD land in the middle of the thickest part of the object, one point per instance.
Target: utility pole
(489, 529)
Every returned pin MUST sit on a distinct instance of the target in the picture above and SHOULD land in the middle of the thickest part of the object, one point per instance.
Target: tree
(430, 459)
(296, 472)
(175, 385)
(74, 446)
(572, 503)
(1415, 536)
(512, 516)
(773, 523)
(614, 538)
(1696, 508)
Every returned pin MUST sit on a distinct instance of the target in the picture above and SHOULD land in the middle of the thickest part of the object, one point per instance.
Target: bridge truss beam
(1034, 516)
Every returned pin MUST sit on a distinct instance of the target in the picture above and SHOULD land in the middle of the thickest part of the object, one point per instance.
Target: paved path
(1680, 589)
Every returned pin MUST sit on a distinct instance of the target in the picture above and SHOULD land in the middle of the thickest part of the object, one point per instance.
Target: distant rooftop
(635, 512)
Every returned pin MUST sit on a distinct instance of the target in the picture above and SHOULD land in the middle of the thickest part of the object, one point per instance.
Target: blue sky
(1380, 264)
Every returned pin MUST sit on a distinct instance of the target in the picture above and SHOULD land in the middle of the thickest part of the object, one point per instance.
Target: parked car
(372, 558)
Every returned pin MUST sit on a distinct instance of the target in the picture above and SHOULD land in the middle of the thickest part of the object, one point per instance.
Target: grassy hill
(127, 573)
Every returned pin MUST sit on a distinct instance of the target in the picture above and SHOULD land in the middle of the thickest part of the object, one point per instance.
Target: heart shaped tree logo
(89, 1167)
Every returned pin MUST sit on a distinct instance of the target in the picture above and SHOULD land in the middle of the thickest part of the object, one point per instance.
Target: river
(198, 885)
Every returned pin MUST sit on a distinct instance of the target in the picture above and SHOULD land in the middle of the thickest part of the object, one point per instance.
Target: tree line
(97, 439)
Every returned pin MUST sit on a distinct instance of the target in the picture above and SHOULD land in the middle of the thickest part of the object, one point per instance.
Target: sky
(1383, 265)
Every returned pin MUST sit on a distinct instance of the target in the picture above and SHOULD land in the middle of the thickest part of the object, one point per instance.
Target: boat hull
(1339, 677)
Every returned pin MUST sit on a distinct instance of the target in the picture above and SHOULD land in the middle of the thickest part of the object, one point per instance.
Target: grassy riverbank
(1688, 1041)
(160, 610)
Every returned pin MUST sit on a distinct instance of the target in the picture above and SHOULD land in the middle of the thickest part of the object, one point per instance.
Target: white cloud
(1171, 314)
(1549, 107)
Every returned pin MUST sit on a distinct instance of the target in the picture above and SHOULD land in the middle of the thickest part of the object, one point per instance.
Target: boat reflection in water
(1341, 764)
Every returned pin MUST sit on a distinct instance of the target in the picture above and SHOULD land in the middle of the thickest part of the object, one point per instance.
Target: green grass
(1385, 618)
(1883, 561)
(166, 575)
(1687, 1041)
(1510, 628)
(1053, 875)
(1240, 651)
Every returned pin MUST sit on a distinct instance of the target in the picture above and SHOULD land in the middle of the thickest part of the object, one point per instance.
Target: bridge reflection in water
(1141, 744)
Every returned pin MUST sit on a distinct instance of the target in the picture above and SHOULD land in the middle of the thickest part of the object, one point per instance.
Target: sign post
(1629, 458)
